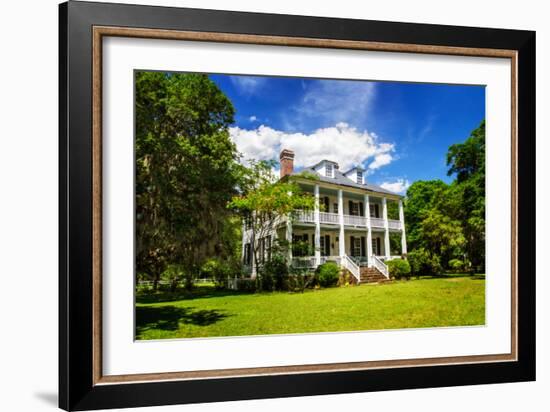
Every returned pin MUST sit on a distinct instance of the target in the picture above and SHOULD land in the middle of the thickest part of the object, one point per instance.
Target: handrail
(381, 266)
(352, 267)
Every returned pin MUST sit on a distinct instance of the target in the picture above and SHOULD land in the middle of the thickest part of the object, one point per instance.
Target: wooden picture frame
(82, 385)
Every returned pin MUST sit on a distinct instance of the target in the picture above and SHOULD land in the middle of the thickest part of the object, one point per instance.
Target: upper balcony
(326, 218)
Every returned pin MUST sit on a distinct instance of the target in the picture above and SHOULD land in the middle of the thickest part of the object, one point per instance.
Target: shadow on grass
(196, 293)
(169, 318)
(477, 276)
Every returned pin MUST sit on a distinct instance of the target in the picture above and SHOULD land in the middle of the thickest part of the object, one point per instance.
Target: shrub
(328, 274)
(247, 285)
(456, 265)
(424, 263)
(399, 268)
(346, 278)
(217, 270)
(277, 270)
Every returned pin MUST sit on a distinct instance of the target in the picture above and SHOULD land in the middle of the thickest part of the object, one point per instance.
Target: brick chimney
(286, 162)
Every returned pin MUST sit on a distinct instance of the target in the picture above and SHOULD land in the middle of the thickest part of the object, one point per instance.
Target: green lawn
(448, 301)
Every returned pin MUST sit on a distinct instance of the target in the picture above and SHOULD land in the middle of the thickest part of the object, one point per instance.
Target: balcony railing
(376, 222)
(394, 224)
(355, 220)
(349, 220)
(331, 218)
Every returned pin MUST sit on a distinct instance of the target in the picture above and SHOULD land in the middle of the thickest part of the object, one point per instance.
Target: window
(335, 207)
(374, 210)
(328, 170)
(354, 209)
(359, 177)
(247, 258)
(325, 245)
(355, 246)
(376, 246)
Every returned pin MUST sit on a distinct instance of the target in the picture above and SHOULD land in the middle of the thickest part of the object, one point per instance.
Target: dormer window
(360, 177)
(328, 170)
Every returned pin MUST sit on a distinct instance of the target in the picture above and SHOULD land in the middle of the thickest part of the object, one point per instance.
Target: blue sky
(399, 132)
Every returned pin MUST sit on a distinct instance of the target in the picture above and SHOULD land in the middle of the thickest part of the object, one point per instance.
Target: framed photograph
(256, 205)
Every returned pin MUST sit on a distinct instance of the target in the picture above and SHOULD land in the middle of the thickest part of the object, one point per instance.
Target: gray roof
(340, 179)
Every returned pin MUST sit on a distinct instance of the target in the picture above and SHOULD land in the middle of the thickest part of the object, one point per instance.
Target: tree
(467, 161)
(264, 201)
(186, 170)
(448, 221)
(422, 197)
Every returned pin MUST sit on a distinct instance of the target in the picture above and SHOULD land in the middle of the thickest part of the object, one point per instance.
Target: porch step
(372, 275)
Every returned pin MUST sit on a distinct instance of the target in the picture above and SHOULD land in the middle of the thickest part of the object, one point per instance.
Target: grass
(453, 300)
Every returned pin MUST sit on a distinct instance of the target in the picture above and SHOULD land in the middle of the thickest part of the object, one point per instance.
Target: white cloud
(248, 85)
(336, 101)
(340, 143)
(398, 186)
(253, 119)
(380, 160)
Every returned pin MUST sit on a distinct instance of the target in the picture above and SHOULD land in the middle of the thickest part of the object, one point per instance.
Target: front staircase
(371, 275)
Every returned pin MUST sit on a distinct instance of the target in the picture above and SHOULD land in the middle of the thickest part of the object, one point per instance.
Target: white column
(403, 236)
(289, 238)
(341, 237)
(369, 231)
(317, 228)
(386, 228)
(252, 251)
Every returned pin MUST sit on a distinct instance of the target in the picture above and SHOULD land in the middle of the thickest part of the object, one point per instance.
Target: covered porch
(355, 247)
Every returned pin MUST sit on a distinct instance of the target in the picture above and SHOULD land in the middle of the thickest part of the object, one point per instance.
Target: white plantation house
(349, 224)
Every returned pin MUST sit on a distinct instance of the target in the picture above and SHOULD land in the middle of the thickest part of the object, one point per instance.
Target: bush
(456, 265)
(246, 285)
(423, 263)
(217, 270)
(399, 268)
(276, 269)
(328, 274)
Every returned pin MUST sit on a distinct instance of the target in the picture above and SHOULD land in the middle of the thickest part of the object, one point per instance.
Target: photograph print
(285, 205)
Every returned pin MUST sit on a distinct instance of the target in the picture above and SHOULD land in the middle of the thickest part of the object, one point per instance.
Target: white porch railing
(376, 222)
(355, 220)
(349, 220)
(350, 265)
(306, 262)
(394, 224)
(381, 266)
(304, 216)
(331, 218)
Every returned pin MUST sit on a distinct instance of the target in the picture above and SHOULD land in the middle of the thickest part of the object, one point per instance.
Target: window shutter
(378, 251)
(327, 245)
(326, 200)
(376, 211)
(352, 243)
(361, 213)
(350, 207)
(363, 246)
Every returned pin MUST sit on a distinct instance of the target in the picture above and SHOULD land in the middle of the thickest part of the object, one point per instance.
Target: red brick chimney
(286, 162)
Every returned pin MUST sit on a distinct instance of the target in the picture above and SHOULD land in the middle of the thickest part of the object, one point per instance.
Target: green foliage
(264, 199)
(218, 270)
(186, 172)
(457, 265)
(329, 273)
(424, 263)
(399, 268)
(449, 220)
(274, 273)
